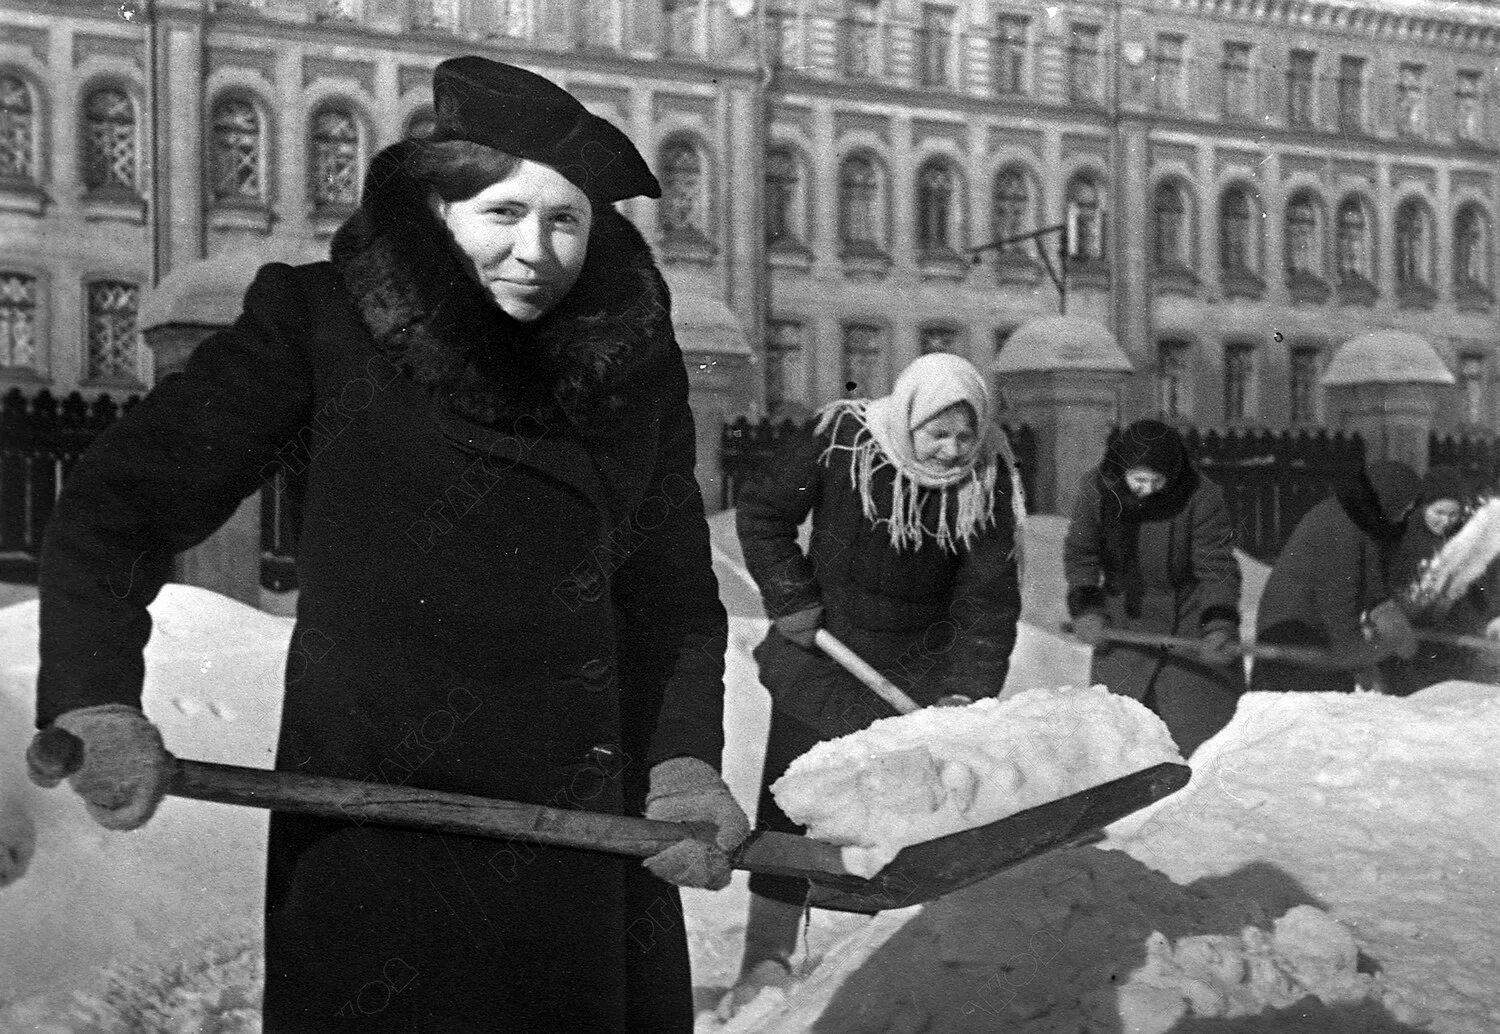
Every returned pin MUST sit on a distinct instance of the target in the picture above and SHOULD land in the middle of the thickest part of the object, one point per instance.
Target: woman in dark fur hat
(505, 579)
(1151, 549)
(1330, 589)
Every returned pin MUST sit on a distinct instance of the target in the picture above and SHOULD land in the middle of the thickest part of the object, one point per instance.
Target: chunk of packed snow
(939, 770)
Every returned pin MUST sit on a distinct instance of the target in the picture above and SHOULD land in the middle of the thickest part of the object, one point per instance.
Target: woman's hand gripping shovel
(919, 873)
(936, 867)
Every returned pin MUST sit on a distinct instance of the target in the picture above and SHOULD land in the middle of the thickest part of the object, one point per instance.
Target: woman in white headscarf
(912, 563)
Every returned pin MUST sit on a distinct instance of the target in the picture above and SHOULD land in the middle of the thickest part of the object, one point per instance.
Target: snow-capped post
(1062, 375)
(192, 302)
(719, 367)
(1385, 385)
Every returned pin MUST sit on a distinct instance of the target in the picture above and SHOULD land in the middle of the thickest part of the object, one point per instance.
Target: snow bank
(80, 897)
(939, 770)
(1331, 868)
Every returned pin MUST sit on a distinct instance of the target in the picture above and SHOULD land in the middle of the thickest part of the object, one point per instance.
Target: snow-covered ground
(1378, 811)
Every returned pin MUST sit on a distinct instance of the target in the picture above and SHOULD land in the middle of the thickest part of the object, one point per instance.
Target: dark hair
(458, 169)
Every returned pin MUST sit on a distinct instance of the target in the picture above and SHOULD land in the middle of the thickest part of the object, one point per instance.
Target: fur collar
(580, 361)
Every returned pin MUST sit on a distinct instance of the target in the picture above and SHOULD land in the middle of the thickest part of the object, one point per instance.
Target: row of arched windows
(940, 215)
(1320, 246)
(111, 145)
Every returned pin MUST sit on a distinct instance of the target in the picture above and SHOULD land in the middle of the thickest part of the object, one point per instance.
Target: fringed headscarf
(884, 439)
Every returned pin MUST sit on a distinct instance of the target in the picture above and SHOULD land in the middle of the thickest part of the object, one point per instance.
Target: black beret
(523, 114)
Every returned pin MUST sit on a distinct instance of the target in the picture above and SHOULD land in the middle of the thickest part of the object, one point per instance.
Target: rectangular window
(939, 339)
(1084, 73)
(1411, 100)
(784, 357)
(441, 15)
(1239, 92)
(1239, 382)
(1009, 56)
(1351, 94)
(18, 333)
(1168, 68)
(1299, 88)
(1469, 106)
(781, 44)
(112, 334)
(861, 360)
(1473, 383)
(861, 43)
(1306, 367)
(1174, 389)
(682, 38)
(937, 46)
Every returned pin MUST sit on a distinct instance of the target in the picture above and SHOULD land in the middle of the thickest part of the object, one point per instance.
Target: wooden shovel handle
(58, 753)
(856, 666)
(1304, 655)
(1469, 642)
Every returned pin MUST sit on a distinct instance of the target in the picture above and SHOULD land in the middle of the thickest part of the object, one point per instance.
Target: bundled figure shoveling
(911, 562)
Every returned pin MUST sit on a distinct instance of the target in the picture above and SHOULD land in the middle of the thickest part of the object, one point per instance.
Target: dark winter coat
(933, 622)
(1169, 569)
(505, 590)
(1330, 572)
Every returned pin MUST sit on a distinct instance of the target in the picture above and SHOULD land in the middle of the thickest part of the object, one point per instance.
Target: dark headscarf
(1443, 482)
(1145, 443)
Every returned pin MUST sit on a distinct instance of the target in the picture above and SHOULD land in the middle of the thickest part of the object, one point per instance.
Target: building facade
(1244, 186)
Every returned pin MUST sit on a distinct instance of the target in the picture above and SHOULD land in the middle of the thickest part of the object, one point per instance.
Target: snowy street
(1377, 811)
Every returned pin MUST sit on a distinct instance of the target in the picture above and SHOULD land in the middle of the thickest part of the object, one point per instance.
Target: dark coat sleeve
(1215, 595)
(1345, 570)
(160, 480)
(769, 510)
(675, 629)
(1083, 551)
(986, 606)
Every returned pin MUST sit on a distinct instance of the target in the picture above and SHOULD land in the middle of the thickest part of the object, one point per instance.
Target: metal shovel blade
(930, 869)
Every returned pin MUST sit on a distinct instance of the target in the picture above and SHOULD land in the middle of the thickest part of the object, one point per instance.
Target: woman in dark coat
(911, 563)
(1151, 549)
(1439, 513)
(505, 579)
(1330, 581)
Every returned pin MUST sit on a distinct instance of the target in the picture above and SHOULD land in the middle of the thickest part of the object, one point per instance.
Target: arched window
(110, 141)
(939, 209)
(17, 131)
(683, 211)
(1304, 239)
(786, 200)
(113, 308)
(421, 125)
(1173, 239)
(1085, 219)
(861, 207)
(1012, 209)
(18, 330)
(238, 158)
(1413, 245)
(335, 159)
(1353, 244)
(1471, 249)
(1239, 243)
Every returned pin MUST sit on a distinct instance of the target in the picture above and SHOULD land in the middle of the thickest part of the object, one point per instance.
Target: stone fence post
(1062, 376)
(1385, 386)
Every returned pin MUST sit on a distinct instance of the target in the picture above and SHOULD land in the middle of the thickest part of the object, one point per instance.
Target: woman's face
(523, 239)
(947, 440)
(1143, 481)
(1442, 515)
